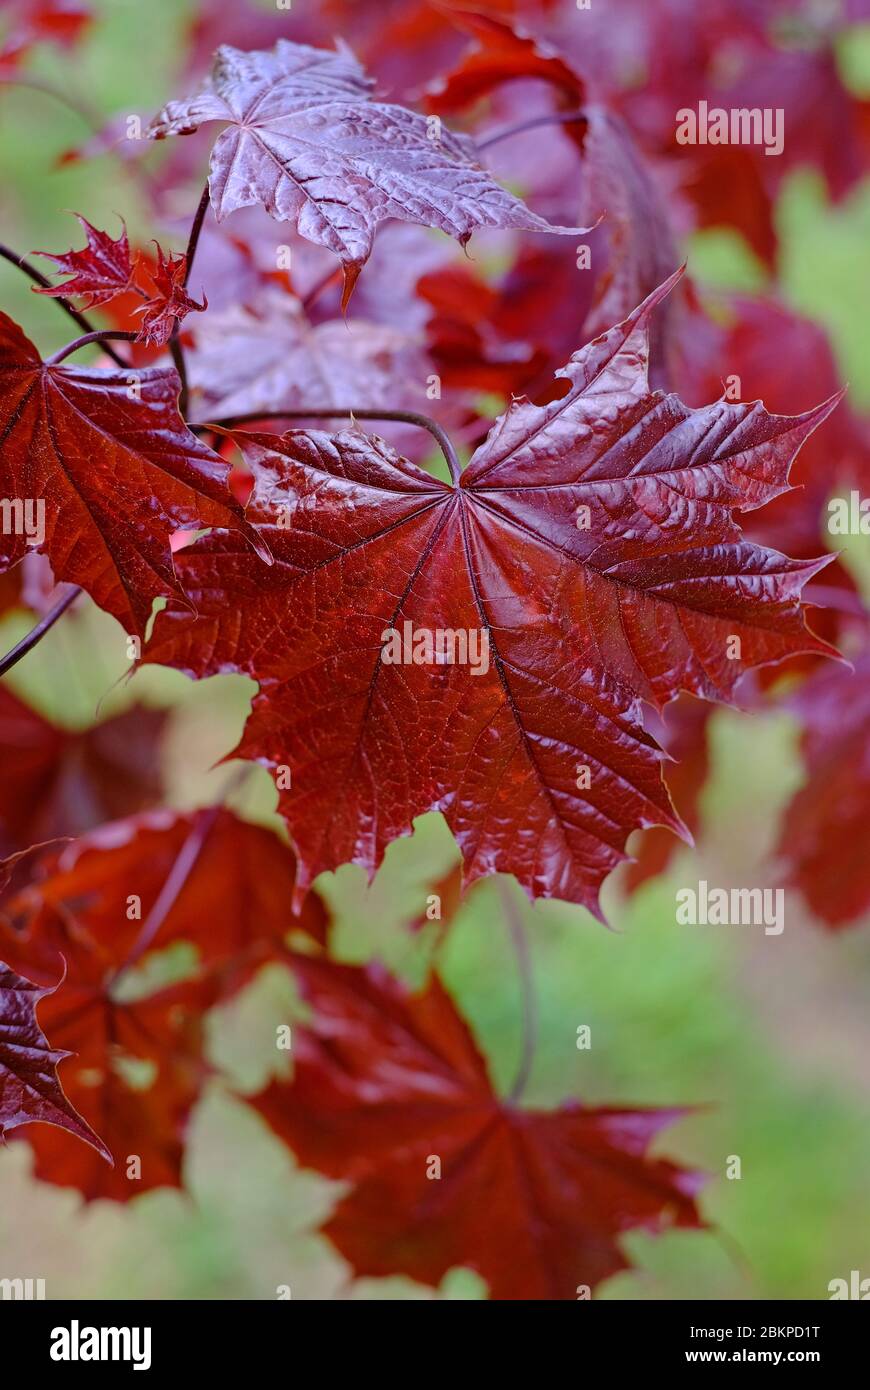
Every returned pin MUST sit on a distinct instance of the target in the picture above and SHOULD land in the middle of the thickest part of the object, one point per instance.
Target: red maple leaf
(171, 303)
(29, 1087)
(304, 139)
(387, 1085)
(591, 558)
(501, 53)
(209, 879)
(100, 271)
(108, 457)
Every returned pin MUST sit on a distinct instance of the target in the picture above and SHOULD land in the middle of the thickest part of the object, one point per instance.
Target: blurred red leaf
(30, 22)
(823, 840)
(209, 879)
(60, 782)
(684, 737)
(387, 1084)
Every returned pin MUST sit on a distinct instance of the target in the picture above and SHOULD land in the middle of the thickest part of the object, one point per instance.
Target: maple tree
(283, 467)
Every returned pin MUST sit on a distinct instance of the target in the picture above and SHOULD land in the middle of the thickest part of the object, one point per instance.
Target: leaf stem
(100, 335)
(37, 633)
(83, 322)
(520, 941)
(172, 886)
(405, 417)
(177, 353)
(551, 118)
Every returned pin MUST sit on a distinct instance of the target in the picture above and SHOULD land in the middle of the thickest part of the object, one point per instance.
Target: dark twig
(177, 352)
(37, 633)
(405, 417)
(99, 336)
(195, 229)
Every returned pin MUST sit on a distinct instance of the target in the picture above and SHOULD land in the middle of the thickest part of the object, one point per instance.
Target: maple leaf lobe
(100, 271)
(30, 1089)
(116, 468)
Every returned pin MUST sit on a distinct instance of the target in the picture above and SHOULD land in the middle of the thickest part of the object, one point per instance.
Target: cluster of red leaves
(592, 540)
(104, 271)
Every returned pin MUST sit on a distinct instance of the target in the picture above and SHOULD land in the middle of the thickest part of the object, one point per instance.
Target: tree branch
(175, 347)
(98, 336)
(405, 417)
(195, 229)
(37, 633)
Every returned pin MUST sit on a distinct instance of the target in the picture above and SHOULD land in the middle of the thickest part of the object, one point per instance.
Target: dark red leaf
(63, 782)
(823, 840)
(536, 751)
(233, 905)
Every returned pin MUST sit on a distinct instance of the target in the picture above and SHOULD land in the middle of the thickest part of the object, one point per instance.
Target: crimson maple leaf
(823, 841)
(29, 1086)
(170, 303)
(304, 139)
(208, 879)
(108, 457)
(100, 271)
(386, 1085)
(590, 557)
